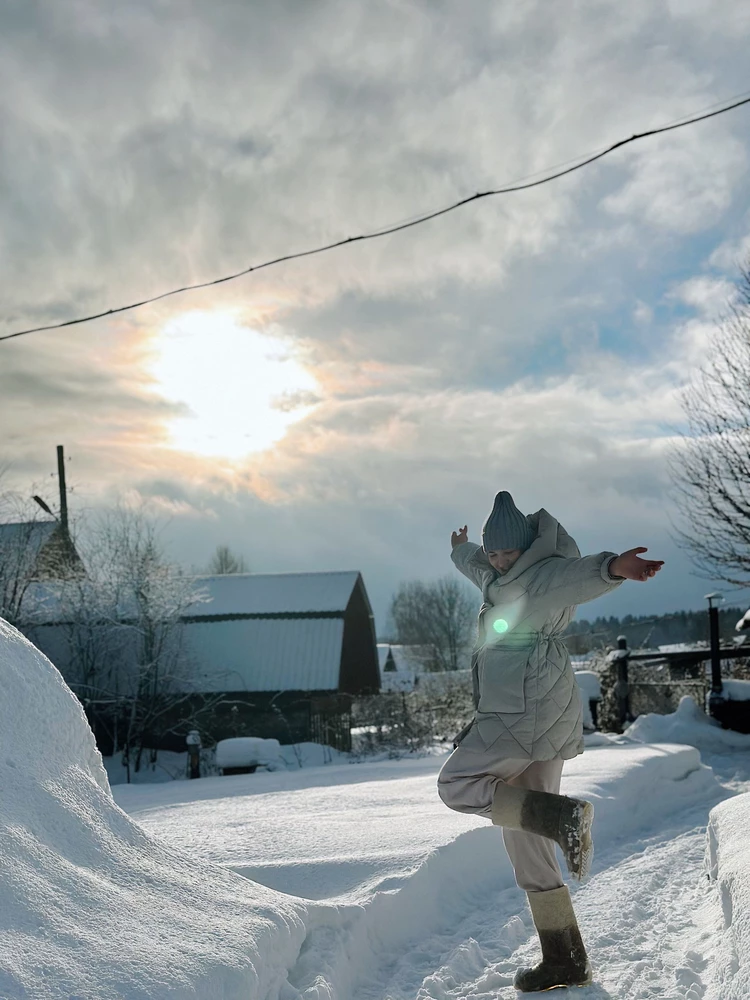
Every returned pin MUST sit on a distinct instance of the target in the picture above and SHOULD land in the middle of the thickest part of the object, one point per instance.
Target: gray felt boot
(557, 817)
(564, 961)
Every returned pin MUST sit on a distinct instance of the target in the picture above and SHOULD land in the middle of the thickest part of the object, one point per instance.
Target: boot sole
(558, 986)
(579, 860)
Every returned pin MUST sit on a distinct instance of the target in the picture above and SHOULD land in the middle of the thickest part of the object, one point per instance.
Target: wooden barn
(287, 652)
(271, 655)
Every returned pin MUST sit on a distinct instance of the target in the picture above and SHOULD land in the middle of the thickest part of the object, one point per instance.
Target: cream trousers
(468, 782)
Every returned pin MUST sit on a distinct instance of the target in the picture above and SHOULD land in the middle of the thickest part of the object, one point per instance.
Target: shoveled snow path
(649, 917)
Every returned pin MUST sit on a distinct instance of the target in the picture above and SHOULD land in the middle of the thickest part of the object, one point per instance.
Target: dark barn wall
(289, 717)
(360, 671)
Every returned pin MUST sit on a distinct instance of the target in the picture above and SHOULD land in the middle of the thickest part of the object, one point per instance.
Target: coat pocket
(502, 673)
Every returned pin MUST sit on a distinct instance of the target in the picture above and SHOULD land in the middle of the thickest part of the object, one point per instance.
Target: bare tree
(710, 467)
(149, 597)
(21, 532)
(224, 561)
(118, 636)
(439, 616)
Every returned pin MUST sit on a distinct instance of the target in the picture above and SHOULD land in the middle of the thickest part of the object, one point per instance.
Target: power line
(417, 221)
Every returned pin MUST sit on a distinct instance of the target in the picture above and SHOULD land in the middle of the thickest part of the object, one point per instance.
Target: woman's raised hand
(460, 536)
(630, 566)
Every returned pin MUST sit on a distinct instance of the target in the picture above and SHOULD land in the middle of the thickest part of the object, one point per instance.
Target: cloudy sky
(349, 410)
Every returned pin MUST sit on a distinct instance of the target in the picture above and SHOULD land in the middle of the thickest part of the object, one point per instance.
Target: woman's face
(503, 559)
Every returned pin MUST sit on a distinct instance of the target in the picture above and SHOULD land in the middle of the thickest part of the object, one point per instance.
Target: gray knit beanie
(506, 527)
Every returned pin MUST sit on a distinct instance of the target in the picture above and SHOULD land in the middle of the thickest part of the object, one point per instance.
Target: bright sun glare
(241, 388)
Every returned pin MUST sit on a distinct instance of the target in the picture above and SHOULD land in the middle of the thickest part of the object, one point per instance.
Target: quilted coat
(527, 701)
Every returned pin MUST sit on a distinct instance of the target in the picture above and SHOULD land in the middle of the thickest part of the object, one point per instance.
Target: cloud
(537, 338)
(682, 182)
(711, 297)
(733, 254)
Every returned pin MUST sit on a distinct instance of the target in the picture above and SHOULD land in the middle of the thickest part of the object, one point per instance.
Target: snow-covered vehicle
(245, 754)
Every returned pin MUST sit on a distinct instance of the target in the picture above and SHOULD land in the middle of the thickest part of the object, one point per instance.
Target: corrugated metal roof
(23, 541)
(40, 549)
(261, 654)
(28, 532)
(274, 593)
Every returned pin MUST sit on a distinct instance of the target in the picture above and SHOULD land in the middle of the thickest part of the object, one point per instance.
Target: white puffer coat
(526, 697)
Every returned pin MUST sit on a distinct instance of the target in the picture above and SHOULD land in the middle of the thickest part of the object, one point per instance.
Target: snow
(396, 680)
(590, 685)
(735, 690)
(274, 593)
(408, 661)
(383, 858)
(336, 881)
(591, 690)
(728, 861)
(618, 654)
(689, 724)
(92, 907)
(171, 766)
(681, 647)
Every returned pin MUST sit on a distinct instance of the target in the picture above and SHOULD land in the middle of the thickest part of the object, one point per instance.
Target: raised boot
(557, 817)
(564, 960)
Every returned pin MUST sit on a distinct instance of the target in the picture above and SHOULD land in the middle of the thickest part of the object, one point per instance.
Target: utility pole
(63, 491)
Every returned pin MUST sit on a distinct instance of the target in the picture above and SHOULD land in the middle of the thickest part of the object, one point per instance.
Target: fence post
(193, 742)
(713, 633)
(622, 687)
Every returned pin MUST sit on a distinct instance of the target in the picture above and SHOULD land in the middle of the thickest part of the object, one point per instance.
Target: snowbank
(590, 685)
(338, 830)
(386, 862)
(728, 862)
(734, 690)
(688, 725)
(90, 905)
(590, 688)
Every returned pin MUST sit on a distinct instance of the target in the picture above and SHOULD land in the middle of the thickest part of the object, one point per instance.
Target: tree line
(438, 619)
(649, 631)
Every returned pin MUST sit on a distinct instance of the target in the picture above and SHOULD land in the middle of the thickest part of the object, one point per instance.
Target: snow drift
(689, 725)
(90, 905)
(728, 862)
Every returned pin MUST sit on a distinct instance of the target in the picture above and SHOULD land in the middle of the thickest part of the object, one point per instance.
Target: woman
(507, 764)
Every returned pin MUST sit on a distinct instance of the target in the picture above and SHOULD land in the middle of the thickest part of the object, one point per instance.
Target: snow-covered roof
(22, 542)
(274, 593)
(27, 533)
(681, 647)
(265, 654)
(406, 659)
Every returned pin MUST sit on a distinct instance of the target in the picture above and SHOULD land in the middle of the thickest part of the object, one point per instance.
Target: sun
(241, 389)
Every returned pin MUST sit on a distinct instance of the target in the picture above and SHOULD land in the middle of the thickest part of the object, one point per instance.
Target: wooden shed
(287, 651)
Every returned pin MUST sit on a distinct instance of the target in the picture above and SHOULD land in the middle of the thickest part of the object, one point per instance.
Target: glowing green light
(500, 625)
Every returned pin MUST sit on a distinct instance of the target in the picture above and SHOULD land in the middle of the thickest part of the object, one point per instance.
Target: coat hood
(551, 540)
